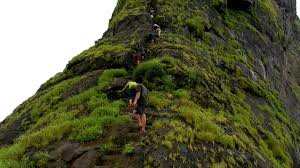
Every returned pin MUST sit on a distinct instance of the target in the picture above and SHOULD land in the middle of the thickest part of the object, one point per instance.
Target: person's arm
(125, 87)
(137, 96)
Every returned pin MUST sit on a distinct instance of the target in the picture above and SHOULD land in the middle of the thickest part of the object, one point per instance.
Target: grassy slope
(206, 111)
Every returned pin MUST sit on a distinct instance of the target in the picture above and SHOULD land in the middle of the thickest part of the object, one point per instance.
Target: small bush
(128, 149)
(108, 75)
(161, 74)
(108, 146)
(154, 74)
(150, 69)
(197, 25)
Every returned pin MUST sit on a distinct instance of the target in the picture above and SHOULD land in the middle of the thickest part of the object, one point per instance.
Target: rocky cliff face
(224, 81)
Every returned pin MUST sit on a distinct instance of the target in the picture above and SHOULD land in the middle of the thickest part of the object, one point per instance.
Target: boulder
(86, 160)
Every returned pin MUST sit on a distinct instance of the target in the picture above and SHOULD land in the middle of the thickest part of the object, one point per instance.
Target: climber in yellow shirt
(131, 90)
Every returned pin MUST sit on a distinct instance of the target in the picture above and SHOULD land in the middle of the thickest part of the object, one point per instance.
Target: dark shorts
(131, 93)
(141, 107)
(150, 37)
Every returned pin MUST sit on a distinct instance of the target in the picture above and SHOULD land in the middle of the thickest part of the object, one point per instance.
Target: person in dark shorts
(138, 57)
(139, 53)
(141, 101)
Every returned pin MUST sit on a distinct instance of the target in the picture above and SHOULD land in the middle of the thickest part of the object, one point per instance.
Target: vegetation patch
(198, 25)
(126, 9)
(105, 50)
(62, 122)
(128, 149)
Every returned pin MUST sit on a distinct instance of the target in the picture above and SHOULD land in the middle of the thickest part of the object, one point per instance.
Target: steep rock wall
(225, 91)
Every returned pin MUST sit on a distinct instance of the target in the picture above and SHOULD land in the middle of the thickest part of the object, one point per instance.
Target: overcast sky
(39, 37)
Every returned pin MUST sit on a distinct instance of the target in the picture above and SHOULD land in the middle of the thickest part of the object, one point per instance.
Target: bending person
(141, 101)
(131, 91)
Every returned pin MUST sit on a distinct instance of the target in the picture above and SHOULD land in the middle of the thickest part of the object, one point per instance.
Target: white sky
(298, 8)
(39, 37)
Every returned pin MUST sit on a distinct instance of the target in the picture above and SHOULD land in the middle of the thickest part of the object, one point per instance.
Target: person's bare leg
(139, 119)
(144, 121)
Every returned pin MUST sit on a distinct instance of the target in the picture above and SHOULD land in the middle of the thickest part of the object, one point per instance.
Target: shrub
(128, 149)
(155, 72)
(108, 146)
(197, 25)
(108, 75)
(150, 69)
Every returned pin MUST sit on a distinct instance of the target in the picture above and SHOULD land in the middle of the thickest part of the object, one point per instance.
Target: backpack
(145, 94)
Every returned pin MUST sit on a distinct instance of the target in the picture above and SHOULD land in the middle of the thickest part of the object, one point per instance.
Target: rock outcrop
(224, 81)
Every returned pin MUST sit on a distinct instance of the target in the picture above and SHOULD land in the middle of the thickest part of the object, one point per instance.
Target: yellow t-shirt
(132, 85)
